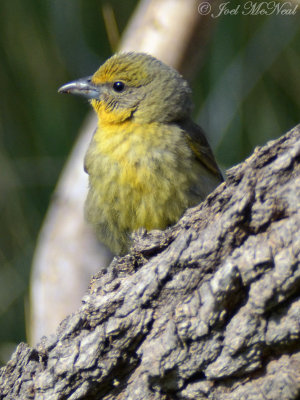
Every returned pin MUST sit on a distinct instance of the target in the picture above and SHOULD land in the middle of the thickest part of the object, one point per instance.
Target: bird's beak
(82, 87)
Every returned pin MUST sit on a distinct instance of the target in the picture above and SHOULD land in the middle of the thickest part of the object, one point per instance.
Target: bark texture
(208, 309)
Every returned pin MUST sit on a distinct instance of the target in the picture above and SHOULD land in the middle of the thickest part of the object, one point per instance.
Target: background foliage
(247, 91)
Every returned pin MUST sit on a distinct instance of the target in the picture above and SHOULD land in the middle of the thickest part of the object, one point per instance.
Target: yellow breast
(139, 177)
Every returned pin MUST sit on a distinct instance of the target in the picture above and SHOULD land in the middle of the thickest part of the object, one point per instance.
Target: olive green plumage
(147, 162)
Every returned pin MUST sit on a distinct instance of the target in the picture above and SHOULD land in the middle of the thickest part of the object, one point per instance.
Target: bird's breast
(138, 174)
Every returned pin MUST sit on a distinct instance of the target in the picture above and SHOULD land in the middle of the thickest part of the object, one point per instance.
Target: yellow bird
(147, 161)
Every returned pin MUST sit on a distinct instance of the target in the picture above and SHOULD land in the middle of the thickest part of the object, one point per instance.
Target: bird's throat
(109, 114)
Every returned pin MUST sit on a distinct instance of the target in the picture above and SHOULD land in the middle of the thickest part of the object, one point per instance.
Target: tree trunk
(208, 309)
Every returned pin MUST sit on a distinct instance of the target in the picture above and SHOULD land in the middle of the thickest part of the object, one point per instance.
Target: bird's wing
(198, 143)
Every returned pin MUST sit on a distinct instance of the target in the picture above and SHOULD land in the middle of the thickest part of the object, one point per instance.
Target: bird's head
(135, 86)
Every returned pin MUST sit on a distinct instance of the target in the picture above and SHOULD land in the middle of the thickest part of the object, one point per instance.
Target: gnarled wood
(208, 309)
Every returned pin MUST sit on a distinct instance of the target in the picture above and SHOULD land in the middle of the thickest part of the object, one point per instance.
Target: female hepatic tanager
(147, 161)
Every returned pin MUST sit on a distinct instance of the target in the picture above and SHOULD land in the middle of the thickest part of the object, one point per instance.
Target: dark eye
(118, 86)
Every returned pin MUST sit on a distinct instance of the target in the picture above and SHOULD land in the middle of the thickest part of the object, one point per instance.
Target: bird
(147, 161)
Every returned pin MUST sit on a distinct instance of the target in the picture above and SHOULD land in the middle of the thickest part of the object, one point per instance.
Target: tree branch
(208, 309)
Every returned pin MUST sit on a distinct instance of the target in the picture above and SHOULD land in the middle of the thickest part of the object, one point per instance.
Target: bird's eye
(118, 86)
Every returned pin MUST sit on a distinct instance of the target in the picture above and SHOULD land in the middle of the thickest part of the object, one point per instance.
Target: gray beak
(82, 87)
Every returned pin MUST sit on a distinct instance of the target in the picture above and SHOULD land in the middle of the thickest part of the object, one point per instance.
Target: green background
(246, 92)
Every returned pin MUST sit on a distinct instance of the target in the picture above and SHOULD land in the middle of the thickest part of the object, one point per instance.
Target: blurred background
(246, 92)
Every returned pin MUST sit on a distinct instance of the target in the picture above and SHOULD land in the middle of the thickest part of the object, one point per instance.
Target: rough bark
(208, 309)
